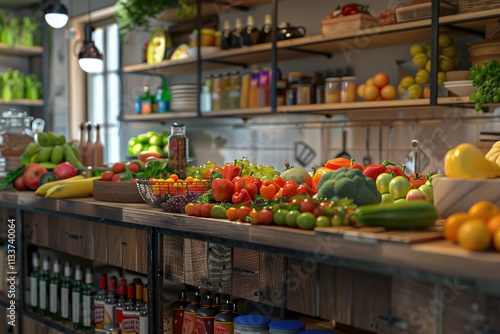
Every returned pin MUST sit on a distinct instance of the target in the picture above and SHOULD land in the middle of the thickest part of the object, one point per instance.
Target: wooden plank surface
(302, 288)
(128, 248)
(272, 278)
(327, 296)
(173, 258)
(36, 228)
(141, 260)
(69, 235)
(245, 273)
(114, 245)
(100, 242)
(87, 241)
(463, 311)
(195, 262)
(344, 285)
(219, 267)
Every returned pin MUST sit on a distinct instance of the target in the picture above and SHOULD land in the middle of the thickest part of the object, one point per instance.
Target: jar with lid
(206, 94)
(348, 89)
(304, 89)
(280, 92)
(286, 327)
(216, 92)
(17, 130)
(234, 90)
(178, 150)
(225, 87)
(251, 324)
(332, 90)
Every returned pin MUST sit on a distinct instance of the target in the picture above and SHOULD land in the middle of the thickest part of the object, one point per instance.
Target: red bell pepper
(290, 188)
(304, 189)
(347, 9)
(231, 171)
(279, 181)
(267, 191)
(358, 166)
(251, 189)
(222, 190)
(373, 171)
(242, 197)
(337, 163)
(395, 170)
(257, 182)
(278, 194)
(207, 175)
(239, 183)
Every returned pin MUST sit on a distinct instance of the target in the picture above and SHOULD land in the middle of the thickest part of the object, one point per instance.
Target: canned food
(348, 90)
(286, 327)
(251, 324)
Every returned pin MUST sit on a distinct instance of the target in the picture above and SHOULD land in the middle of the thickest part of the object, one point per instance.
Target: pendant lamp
(89, 58)
(56, 14)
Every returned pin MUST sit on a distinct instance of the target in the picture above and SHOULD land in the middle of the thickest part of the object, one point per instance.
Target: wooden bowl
(122, 192)
(453, 195)
(457, 75)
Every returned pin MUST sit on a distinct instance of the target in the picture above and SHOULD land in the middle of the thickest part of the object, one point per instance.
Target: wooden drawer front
(70, 238)
(114, 245)
(99, 231)
(5, 215)
(302, 286)
(173, 258)
(335, 287)
(272, 276)
(196, 263)
(371, 301)
(245, 272)
(219, 268)
(141, 259)
(36, 228)
(410, 302)
(129, 248)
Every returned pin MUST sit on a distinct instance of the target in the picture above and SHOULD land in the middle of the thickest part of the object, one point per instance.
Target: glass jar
(348, 89)
(332, 90)
(216, 92)
(17, 130)
(304, 89)
(178, 150)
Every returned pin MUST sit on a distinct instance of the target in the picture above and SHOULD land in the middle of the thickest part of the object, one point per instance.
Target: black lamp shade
(89, 58)
(56, 14)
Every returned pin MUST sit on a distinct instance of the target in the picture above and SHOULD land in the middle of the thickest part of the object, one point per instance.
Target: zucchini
(412, 215)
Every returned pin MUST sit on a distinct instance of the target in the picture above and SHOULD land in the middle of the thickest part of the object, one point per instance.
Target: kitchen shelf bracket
(316, 53)
(229, 63)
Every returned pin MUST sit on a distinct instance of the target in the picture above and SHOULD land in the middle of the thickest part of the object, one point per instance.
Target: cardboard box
(348, 23)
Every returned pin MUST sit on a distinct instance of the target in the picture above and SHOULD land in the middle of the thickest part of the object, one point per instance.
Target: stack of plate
(460, 87)
(183, 97)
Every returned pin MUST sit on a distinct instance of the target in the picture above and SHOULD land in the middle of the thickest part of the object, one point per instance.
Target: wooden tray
(123, 192)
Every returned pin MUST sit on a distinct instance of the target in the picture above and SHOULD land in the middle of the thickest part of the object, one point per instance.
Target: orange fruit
(371, 92)
(388, 92)
(453, 223)
(483, 210)
(318, 174)
(473, 235)
(493, 223)
(361, 91)
(380, 79)
(496, 240)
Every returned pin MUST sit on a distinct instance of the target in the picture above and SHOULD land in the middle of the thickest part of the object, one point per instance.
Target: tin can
(251, 324)
(286, 327)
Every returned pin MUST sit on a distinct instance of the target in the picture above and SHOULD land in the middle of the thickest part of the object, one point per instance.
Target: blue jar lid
(287, 325)
(252, 320)
(317, 331)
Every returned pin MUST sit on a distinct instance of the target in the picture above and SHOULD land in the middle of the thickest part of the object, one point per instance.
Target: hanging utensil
(344, 153)
(367, 160)
(380, 140)
(414, 144)
(304, 154)
(389, 142)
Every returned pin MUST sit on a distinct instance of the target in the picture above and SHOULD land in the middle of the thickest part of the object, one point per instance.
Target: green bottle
(35, 282)
(54, 291)
(44, 286)
(163, 98)
(66, 286)
(77, 299)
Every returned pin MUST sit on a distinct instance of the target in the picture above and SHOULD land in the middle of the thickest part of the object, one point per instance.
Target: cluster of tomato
(303, 212)
(242, 190)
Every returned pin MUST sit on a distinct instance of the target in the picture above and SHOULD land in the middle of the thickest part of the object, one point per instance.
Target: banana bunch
(50, 150)
(77, 186)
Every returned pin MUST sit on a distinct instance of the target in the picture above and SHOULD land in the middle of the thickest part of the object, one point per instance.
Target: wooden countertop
(421, 255)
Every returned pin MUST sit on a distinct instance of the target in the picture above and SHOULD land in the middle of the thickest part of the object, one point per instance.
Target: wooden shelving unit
(25, 51)
(23, 102)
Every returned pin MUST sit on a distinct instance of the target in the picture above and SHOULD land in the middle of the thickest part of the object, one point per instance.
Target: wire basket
(152, 192)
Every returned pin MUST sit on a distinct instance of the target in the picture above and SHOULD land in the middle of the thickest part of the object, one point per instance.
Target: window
(104, 90)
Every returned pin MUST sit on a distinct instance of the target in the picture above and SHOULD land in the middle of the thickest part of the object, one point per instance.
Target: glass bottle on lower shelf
(77, 299)
(66, 286)
(54, 291)
(35, 282)
(43, 286)
(88, 293)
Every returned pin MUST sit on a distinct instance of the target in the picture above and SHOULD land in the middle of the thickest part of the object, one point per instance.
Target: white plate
(190, 86)
(460, 83)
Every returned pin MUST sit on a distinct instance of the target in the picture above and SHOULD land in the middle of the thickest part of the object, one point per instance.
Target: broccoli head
(349, 183)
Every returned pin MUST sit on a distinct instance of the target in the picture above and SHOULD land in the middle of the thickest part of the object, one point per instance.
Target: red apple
(19, 184)
(65, 170)
(144, 155)
(32, 174)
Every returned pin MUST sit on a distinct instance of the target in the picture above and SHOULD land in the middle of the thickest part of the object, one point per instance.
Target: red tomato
(254, 217)
(205, 210)
(265, 216)
(307, 205)
(243, 212)
(107, 175)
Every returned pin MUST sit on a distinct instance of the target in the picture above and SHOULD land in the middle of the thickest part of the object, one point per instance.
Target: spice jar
(178, 150)
(332, 90)
(304, 88)
(286, 327)
(251, 324)
(207, 38)
(348, 89)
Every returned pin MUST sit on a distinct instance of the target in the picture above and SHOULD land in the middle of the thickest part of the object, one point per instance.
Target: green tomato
(386, 199)
(306, 221)
(399, 187)
(291, 218)
(382, 182)
(337, 220)
(322, 221)
(279, 217)
(428, 192)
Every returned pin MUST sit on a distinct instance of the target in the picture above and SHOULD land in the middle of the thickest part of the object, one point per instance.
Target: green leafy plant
(131, 14)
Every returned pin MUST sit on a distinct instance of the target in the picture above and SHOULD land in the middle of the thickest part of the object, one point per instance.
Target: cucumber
(412, 215)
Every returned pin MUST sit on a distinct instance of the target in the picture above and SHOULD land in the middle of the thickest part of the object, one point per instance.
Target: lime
(136, 149)
(132, 141)
(155, 140)
(143, 138)
(322, 221)
(291, 218)
(156, 149)
(387, 199)
(306, 220)
(279, 217)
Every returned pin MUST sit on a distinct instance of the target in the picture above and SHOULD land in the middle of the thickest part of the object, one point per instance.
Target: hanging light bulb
(89, 58)
(56, 14)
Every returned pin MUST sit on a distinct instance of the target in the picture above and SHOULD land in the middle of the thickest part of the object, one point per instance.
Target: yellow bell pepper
(494, 153)
(467, 161)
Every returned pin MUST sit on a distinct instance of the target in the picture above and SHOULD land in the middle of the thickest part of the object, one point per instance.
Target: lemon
(446, 64)
(422, 77)
(407, 81)
(449, 51)
(414, 91)
(427, 48)
(428, 66)
(444, 40)
(416, 48)
(441, 77)
(401, 91)
(419, 60)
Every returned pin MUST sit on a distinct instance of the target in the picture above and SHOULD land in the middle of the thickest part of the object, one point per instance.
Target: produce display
(485, 79)
(415, 87)
(16, 85)
(16, 30)
(377, 88)
(150, 141)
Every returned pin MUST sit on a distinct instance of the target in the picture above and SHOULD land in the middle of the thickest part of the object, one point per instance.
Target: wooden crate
(466, 6)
